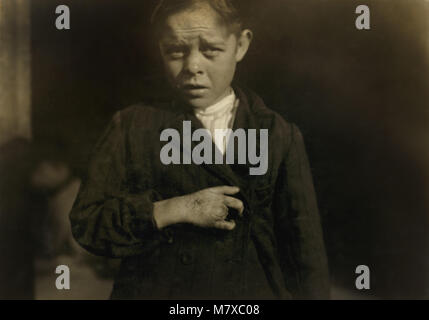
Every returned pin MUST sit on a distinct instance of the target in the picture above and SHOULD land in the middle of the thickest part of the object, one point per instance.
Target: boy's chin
(199, 102)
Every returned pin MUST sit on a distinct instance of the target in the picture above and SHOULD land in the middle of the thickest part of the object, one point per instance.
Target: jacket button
(186, 258)
(170, 240)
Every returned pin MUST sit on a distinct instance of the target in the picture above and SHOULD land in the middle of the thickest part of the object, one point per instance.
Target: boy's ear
(243, 44)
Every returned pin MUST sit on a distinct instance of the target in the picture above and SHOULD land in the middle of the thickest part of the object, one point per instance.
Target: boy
(202, 231)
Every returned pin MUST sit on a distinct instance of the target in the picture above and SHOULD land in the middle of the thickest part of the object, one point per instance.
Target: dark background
(360, 98)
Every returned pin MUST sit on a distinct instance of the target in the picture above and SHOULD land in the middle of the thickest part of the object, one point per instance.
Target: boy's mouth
(194, 89)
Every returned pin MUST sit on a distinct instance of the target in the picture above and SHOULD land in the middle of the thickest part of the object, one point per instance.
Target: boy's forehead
(201, 20)
(185, 35)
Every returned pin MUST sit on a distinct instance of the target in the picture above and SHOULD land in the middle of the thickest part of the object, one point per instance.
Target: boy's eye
(211, 51)
(175, 52)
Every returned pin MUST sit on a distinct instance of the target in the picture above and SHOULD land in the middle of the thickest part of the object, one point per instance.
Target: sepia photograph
(225, 150)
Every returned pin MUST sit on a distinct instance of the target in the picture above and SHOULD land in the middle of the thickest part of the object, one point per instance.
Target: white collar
(219, 107)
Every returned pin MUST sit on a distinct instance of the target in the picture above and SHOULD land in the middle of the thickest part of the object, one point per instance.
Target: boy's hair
(227, 9)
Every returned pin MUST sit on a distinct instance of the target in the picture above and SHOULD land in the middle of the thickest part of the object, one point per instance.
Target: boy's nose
(193, 64)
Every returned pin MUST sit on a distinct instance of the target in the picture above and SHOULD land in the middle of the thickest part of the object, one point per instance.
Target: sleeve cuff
(144, 225)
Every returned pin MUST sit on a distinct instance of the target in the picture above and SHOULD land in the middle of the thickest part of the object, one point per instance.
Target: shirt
(219, 116)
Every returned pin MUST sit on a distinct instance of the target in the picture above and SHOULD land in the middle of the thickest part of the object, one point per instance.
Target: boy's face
(200, 55)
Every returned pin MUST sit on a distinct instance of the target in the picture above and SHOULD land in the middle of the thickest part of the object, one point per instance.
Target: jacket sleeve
(106, 218)
(299, 233)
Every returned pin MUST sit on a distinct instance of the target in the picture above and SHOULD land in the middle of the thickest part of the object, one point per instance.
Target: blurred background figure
(37, 190)
(54, 180)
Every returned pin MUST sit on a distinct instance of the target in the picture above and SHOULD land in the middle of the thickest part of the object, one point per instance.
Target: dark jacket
(276, 249)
